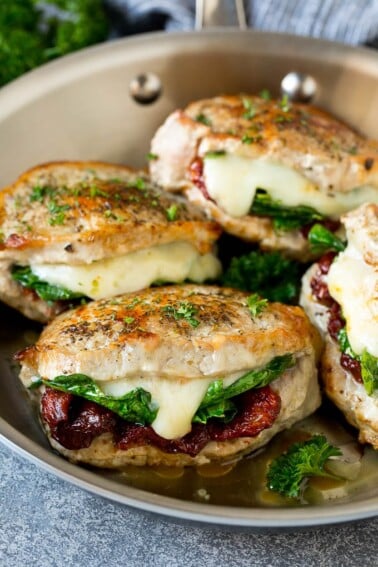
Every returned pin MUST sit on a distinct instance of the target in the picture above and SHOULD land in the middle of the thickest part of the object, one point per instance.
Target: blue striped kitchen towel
(349, 21)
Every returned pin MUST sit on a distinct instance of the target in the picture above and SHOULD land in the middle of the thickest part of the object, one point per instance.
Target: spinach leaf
(321, 240)
(284, 218)
(44, 290)
(267, 273)
(135, 406)
(369, 363)
(369, 372)
(213, 404)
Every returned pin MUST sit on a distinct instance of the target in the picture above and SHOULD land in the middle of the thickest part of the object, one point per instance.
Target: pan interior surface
(80, 107)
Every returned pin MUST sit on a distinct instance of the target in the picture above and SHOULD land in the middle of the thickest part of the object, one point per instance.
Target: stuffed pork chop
(340, 294)
(266, 170)
(77, 230)
(178, 375)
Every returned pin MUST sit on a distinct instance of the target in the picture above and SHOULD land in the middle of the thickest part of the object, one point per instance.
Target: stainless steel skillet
(80, 107)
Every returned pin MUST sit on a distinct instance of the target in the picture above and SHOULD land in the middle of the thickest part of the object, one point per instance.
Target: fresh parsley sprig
(267, 273)
(287, 473)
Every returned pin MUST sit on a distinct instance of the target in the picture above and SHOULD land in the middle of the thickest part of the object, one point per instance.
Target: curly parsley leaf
(215, 401)
(266, 273)
(305, 459)
(44, 290)
(135, 406)
(284, 218)
(323, 240)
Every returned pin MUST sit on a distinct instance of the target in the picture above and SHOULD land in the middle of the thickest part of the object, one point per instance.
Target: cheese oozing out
(232, 181)
(177, 400)
(173, 262)
(354, 285)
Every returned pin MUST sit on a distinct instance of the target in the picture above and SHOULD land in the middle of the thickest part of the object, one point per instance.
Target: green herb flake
(183, 310)
(265, 94)
(57, 212)
(129, 320)
(203, 119)
(353, 150)
(171, 212)
(152, 157)
(39, 192)
(137, 183)
(256, 304)
(215, 154)
(285, 103)
(250, 139)
(305, 459)
(95, 191)
(250, 109)
(281, 119)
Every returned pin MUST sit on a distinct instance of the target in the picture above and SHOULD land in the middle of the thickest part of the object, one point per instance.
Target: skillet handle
(217, 13)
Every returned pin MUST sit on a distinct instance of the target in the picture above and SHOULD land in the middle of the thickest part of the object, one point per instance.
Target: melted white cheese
(354, 285)
(177, 400)
(172, 262)
(232, 182)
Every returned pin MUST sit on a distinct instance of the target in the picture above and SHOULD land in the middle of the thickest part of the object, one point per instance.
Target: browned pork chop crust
(143, 335)
(302, 137)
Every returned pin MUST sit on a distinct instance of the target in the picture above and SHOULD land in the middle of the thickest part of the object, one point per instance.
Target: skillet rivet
(299, 87)
(145, 88)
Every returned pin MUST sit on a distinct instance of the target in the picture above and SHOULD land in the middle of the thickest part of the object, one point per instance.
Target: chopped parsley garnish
(95, 191)
(183, 310)
(138, 183)
(172, 212)
(267, 273)
(250, 110)
(281, 118)
(129, 320)
(284, 218)
(265, 94)
(57, 212)
(305, 459)
(285, 103)
(321, 240)
(203, 119)
(256, 304)
(215, 154)
(152, 157)
(250, 139)
(39, 192)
